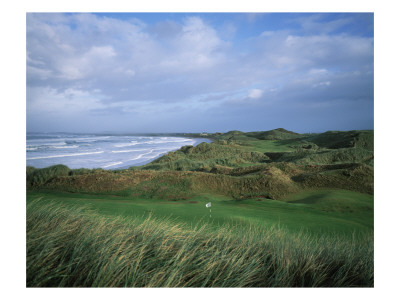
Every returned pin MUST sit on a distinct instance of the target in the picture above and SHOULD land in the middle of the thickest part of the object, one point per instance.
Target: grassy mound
(324, 156)
(75, 247)
(332, 201)
(204, 157)
(37, 177)
(176, 185)
(275, 134)
(345, 139)
(274, 181)
(357, 177)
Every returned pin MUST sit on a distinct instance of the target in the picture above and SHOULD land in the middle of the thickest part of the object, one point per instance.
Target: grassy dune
(268, 180)
(75, 247)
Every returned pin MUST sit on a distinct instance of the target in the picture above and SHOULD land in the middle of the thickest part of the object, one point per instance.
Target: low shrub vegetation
(37, 177)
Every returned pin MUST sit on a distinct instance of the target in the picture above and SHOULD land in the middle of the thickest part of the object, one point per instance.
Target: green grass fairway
(267, 146)
(318, 212)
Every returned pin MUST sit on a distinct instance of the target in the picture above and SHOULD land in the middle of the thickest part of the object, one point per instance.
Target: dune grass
(344, 139)
(77, 247)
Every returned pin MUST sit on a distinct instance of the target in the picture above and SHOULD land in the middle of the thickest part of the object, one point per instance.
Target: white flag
(208, 204)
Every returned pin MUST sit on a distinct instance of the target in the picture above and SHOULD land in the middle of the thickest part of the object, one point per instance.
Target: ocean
(106, 151)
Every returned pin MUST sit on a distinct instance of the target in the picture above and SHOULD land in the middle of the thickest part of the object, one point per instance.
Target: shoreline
(194, 137)
(203, 140)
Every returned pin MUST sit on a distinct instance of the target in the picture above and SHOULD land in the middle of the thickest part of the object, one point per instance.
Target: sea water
(104, 151)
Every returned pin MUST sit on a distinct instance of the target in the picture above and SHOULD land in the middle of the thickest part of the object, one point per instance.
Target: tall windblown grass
(76, 247)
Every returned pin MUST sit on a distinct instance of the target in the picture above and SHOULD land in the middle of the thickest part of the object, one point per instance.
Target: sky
(199, 72)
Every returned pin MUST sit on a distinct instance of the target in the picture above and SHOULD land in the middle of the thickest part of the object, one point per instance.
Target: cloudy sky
(178, 72)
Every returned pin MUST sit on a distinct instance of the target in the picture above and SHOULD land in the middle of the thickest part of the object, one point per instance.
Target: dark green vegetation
(289, 209)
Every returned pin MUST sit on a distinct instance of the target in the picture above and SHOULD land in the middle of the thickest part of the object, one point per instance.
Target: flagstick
(209, 205)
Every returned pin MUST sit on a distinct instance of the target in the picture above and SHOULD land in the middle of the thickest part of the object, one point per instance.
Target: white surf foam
(87, 139)
(44, 141)
(113, 164)
(127, 144)
(65, 147)
(65, 155)
(90, 138)
(48, 144)
(133, 150)
(167, 149)
(166, 141)
(153, 156)
(141, 155)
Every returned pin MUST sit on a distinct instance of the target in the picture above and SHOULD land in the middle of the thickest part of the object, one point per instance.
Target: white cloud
(317, 71)
(85, 63)
(38, 72)
(255, 93)
(316, 23)
(253, 17)
(130, 72)
(49, 100)
(196, 47)
(81, 66)
(322, 84)
(267, 33)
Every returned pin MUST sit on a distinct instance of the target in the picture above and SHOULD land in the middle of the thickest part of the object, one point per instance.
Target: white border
(13, 157)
